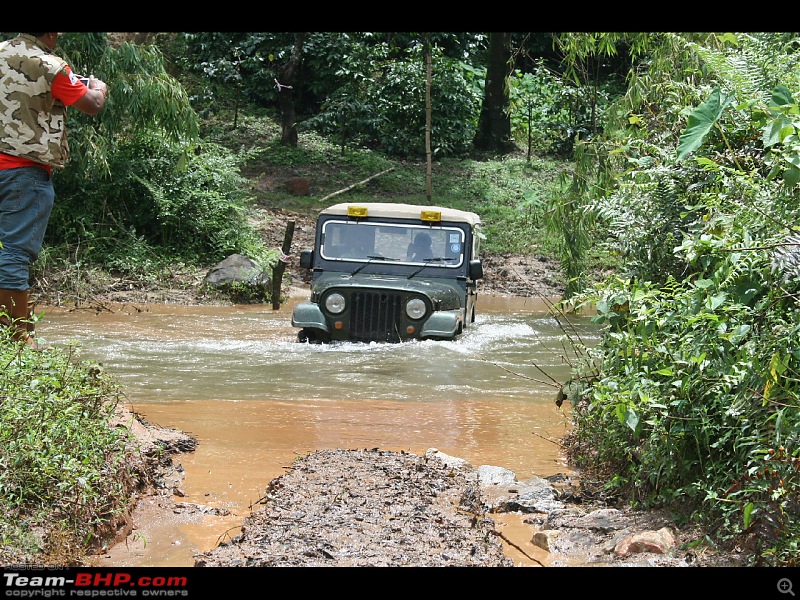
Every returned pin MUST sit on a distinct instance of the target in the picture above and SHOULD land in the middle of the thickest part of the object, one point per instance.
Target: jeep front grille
(375, 317)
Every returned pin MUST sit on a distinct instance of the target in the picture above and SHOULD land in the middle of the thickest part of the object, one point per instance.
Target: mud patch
(365, 508)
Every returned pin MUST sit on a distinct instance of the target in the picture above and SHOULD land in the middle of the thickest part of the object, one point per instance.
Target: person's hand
(97, 84)
(92, 102)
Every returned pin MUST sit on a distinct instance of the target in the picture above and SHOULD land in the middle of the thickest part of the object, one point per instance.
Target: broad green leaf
(739, 333)
(781, 96)
(703, 283)
(791, 176)
(701, 121)
(776, 131)
(777, 365)
(718, 300)
(632, 420)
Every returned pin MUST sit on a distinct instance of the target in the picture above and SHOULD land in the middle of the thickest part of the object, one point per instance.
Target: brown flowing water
(235, 378)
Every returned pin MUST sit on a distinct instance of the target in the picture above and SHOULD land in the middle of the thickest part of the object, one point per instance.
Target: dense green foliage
(357, 89)
(143, 193)
(189, 207)
(64, 468)
(388, 112)
(692, 401)
(140, 194)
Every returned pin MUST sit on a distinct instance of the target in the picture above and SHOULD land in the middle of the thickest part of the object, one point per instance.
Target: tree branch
(350, 187)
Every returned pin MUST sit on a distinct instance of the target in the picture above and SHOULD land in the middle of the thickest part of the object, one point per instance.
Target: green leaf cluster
(694, 398)
(63, 468)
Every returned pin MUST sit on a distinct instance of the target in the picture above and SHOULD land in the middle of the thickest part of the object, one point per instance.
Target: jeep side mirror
(475, 269)
(306, 258)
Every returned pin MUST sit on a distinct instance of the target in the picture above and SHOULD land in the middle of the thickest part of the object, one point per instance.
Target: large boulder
(238, 269)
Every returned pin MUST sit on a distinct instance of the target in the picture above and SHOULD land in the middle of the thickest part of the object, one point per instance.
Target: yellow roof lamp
(391, 210)
(431, 216)
(361, 212)
(357, 212)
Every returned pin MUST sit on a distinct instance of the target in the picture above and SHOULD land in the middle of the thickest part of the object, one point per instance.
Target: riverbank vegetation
(671, 160)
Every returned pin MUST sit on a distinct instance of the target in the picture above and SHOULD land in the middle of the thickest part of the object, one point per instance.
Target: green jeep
(384, 272)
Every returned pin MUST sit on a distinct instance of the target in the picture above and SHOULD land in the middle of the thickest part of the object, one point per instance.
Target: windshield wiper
(427, 261)
(371, 258)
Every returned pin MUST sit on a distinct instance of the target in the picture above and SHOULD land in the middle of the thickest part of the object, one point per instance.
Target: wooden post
(280, 266)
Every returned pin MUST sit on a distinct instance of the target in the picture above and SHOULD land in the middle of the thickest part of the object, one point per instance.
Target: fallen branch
(350, 187)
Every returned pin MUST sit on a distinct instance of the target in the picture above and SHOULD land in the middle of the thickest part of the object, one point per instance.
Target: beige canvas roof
(404, 211)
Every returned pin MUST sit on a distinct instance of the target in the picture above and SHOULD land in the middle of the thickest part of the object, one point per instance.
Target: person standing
(36, 87)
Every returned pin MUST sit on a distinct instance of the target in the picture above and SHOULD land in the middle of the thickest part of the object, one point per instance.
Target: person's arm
(93, 101)
(68, 88)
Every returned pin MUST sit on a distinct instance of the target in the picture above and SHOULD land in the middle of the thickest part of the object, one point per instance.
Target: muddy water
(255, 399)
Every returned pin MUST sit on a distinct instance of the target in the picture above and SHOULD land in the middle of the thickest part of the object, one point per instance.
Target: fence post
(280, 266)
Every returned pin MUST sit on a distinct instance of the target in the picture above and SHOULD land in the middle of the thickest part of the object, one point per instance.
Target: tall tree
(285, 85)
(494, 123)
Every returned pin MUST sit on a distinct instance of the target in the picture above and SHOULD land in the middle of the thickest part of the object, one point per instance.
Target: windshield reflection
(404, 244)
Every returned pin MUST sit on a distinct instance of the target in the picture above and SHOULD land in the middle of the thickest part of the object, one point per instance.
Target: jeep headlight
(415, 308)
(335, 303)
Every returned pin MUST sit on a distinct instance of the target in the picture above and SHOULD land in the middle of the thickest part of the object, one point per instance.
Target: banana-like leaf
(701, 121)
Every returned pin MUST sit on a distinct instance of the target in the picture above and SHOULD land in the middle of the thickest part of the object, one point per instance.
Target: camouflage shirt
(32, 122)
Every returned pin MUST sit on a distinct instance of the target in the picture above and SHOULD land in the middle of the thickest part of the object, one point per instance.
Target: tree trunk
(428, 118)
(285, 84)
(494, 123)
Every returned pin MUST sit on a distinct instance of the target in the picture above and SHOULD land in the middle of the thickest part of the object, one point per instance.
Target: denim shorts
(26, 200)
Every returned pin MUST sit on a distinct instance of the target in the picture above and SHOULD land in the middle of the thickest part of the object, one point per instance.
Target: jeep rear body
(373, 280)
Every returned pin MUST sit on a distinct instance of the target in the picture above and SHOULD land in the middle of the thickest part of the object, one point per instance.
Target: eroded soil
(369, 507)
(365, 508)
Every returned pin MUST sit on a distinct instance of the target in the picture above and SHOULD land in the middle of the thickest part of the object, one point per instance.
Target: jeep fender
(309, 316)
(443, 324)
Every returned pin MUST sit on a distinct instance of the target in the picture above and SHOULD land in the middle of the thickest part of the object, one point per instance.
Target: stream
(236, 379)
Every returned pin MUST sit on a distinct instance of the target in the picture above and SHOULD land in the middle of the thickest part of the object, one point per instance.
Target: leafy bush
(692, 400)
(63, 463)
(188, 205)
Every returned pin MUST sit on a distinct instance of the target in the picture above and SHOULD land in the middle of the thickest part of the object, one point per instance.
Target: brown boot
(15, 313)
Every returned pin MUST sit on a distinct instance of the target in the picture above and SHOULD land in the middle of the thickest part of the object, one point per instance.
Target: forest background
(659, 169)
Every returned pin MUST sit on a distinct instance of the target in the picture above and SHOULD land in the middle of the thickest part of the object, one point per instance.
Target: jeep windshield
(418, 245)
